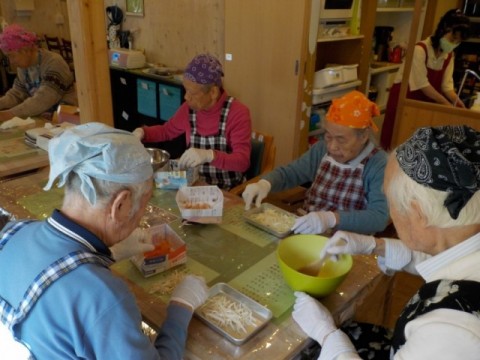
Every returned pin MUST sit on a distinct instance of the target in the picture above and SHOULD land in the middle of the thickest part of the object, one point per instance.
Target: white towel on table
(16, 121)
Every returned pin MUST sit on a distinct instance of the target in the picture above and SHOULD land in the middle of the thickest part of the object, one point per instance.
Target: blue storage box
(146, 97)
(170, 100)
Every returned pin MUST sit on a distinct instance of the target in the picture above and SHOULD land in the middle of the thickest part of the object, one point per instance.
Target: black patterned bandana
(445, 158)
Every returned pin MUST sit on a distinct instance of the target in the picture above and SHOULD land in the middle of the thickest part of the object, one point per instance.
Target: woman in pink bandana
(43, 78)
(346, 171)
(217, 127)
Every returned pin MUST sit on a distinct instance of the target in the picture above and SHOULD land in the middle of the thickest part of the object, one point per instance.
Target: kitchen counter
(16, 156)
(145, 72)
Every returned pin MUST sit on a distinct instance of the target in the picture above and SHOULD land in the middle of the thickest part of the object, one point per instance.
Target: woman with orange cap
(346, 170)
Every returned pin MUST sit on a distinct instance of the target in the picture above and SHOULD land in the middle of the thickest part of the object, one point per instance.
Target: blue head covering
(95, 150)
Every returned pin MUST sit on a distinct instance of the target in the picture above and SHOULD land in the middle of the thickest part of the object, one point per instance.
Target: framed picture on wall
(134, 7)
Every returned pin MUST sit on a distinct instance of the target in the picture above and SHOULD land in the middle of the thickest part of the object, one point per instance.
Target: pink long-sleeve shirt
(238, 132)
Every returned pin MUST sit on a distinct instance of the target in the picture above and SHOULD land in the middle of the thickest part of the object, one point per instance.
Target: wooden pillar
(406, 72)
(90, 53)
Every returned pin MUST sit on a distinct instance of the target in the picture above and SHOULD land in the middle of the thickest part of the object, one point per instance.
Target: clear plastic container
(328, 77)
(349, 72)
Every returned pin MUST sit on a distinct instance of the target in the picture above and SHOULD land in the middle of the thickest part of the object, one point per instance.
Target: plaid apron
(337, 186)
(11, 316)
(223, 178)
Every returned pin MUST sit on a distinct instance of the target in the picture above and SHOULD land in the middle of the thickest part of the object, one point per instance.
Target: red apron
(435, 78)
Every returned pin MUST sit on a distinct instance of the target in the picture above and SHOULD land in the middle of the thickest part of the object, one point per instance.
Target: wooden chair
(67, 50)
(262, 160)
(53, 44)
(67, 54)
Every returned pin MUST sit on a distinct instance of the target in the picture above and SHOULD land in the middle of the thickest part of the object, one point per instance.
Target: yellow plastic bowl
(297, 251)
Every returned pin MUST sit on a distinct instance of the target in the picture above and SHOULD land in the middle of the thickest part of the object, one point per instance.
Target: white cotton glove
(139, 133)
(317, 322)
(193, 157)
(344, 242)
(258, 191)
(16, 121)
(314, 318)
(139, 241)
(315, 222)
(192, 291)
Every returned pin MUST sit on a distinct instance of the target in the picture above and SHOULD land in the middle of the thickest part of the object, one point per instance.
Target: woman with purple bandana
(43, 78)
(432, 184)
(217, 127)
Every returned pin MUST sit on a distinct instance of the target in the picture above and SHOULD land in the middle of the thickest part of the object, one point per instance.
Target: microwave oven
(336, 9)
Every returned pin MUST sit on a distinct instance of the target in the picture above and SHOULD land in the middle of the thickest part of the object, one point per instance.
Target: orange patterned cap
(353, 110)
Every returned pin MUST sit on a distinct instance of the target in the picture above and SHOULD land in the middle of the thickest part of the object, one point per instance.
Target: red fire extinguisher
(396, 54)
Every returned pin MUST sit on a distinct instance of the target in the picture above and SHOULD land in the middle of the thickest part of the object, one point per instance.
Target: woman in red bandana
(43, 77)
(346, 170)
(431, 74)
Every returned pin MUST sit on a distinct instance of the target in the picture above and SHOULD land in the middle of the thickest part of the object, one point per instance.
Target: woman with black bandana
(432, 184)
(431, 73)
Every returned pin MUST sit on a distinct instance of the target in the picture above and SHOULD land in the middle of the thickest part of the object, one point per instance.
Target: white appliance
(334, 75)
(126, 58)
(336, 9)
(324, 95)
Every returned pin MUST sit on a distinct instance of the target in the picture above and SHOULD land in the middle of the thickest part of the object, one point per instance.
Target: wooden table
(232, 252)
(18, 157)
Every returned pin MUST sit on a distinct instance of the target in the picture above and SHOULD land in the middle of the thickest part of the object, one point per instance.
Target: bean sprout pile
(228, 314)
(166, 286)
(275, 220)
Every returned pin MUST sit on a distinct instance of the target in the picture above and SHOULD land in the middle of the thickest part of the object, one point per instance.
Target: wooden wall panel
(91, 61)
(173, 32)
(417, 114)
(267, 42)
(42, 20)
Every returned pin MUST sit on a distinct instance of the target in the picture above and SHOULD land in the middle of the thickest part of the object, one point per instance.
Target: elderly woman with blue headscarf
(432, 184)
(63, 301)
(217, 127)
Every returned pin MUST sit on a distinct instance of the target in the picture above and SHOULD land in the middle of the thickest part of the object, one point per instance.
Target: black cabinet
(124, 99)
(140, 99)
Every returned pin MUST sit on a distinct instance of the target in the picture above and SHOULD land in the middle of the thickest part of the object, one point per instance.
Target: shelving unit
(279, 34)
(334, 50)
(467, 56)
(338, 38)
(357, 49)
(382, 74)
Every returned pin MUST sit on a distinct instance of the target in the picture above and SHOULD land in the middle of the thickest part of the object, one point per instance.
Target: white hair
(402, 190)
(106, 190)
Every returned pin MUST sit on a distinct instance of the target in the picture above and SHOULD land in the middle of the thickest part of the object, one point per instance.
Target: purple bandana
(14, 37)
(445, 158)
(204, 69)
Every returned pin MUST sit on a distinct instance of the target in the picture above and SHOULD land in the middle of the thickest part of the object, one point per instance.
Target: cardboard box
(67, 113)
(203, 204)
(170, 250)
(172, 177)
